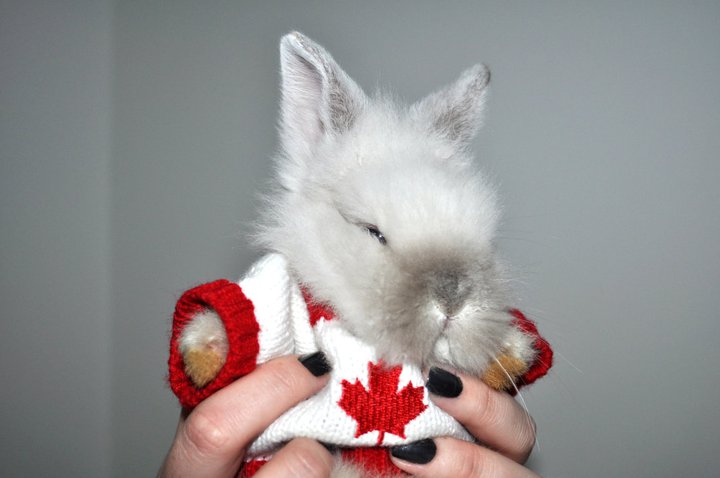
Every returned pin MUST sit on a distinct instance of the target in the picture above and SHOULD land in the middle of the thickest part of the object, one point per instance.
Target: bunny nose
(450, 291)
(448, 284)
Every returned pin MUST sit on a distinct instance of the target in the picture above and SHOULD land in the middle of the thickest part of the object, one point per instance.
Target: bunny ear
(456, 111)
(318, 97)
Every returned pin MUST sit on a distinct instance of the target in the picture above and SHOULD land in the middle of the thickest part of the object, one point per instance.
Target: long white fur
(435, 293)
(407, 171)
(204, 331)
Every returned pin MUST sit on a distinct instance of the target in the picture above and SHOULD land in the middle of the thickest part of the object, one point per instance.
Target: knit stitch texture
(366, 407)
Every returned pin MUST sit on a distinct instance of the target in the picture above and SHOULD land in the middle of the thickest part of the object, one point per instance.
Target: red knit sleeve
(237, 314)
(543, 360)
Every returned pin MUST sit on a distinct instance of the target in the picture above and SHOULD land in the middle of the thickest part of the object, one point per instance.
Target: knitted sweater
(365, 406)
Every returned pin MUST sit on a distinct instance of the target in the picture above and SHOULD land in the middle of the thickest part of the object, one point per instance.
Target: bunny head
(383, 216)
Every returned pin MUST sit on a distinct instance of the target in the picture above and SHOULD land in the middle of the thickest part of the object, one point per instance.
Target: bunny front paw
(504, 372)
(204, 346)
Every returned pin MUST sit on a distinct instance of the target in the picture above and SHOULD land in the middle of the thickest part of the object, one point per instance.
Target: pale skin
(211, 440)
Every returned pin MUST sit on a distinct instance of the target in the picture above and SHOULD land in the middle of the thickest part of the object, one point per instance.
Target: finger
(301, 458)
(451, 458)
(493, 417)
(210, 442)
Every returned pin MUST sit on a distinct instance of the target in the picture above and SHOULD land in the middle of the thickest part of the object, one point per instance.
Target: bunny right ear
(456, 112)
(318, 97)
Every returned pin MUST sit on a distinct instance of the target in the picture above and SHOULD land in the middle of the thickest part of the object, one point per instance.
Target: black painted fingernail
(420, 452)
(330, 447)
(316, 363)
(443, 383)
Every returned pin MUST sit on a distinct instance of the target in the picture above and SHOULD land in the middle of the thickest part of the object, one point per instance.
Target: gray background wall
(135, 136)
(55, 246)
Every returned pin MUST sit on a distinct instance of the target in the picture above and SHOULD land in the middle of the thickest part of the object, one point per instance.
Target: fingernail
(443, 383)
(316, 363)
(329, 447)
(419, 452)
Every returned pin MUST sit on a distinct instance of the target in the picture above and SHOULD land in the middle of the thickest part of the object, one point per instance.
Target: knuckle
(486, 409)
(301, 458)
(473, 464)
(279, 379)
(205, 434)
(309, 462)
(527, 436)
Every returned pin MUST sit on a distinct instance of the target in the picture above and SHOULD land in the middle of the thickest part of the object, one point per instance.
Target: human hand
(493, 418)
(210, 441)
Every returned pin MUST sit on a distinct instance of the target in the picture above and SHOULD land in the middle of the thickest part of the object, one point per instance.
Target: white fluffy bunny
(380, 217)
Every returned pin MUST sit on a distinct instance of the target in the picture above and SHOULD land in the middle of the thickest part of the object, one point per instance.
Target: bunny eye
(375, 232)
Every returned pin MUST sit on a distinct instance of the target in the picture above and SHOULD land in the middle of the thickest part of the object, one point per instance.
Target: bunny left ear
(456, 112)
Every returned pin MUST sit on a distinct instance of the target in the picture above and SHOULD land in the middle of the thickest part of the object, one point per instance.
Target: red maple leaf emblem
(382, 407)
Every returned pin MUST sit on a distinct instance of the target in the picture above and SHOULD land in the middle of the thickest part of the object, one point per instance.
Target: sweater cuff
(544, 353)
(236, 312)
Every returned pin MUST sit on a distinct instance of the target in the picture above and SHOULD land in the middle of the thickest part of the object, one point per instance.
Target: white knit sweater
(285, 328)
(365, 403)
